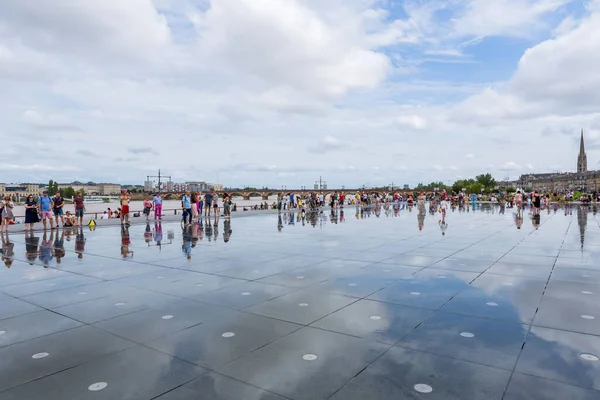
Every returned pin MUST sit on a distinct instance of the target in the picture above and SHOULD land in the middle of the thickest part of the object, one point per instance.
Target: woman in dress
(421, 203)
(7, 213)
(194, 204)
(31, 213)
(226, 206)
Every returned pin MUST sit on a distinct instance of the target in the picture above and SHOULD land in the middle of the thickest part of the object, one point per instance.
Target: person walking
(186, 205)
(46, 205)
(31, 212)
(57, 208)
(519, 201)
(7, 213)
(157, 200)
(444, 205)
(79, 207)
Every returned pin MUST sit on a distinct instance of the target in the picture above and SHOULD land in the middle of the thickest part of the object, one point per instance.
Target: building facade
(20, 190)
(107, 189)
(583, 180)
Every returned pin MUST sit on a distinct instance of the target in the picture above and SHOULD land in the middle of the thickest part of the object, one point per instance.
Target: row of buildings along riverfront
(181, 187)
(90, 188)
(561, 182)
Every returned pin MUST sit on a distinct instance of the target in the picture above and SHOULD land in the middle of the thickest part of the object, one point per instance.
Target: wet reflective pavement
(353, 305)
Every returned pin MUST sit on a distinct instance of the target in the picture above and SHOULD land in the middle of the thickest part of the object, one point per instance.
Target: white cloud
(412, 121)
(327, 144)
(510, 166)
(285, 43)
(490, 18)
(471, 156)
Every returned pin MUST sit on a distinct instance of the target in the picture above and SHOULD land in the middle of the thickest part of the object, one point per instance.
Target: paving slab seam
(534, 315)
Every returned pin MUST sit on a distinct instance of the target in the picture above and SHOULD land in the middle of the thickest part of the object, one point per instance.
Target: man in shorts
(208, 197)
(46, 204)
(125, 199)
(79, 207)
(59, 202)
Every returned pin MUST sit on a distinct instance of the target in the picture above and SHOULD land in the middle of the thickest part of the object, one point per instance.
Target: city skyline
(362, 93)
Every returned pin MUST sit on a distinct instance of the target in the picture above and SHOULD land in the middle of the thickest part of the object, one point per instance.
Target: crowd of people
(47, 209)
(51, 212)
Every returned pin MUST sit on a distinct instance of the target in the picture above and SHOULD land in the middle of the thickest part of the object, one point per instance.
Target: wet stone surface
(357, 304)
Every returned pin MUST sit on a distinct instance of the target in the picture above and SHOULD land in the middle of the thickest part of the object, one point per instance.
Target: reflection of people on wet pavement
(443, 226)
(208, 229)
(59, 246)
(279, 223)
(31, 246)
(536, 220)
(158, 234)
(421, 220)
(227, 230)
(519, 219)
(148, 234)
(125, 241)
(80, 242)
(216, 230)
(200, 229)
(195, 234)
(46, 252)
(8, 249)
(186, 247)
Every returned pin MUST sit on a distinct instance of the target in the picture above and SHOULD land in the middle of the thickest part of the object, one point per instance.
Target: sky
(281, 92)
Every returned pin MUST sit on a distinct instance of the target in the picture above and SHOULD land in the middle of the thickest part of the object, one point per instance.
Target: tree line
(482, 182)
(64, 192)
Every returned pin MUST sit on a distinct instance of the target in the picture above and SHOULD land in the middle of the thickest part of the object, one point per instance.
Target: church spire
(582, 158)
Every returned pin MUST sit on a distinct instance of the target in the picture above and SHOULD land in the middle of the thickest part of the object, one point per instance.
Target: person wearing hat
(45, 203)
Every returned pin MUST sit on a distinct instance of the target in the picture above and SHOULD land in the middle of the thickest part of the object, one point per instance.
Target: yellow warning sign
(92, 223)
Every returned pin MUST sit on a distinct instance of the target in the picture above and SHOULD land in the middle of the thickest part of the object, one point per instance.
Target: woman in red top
(147, 208)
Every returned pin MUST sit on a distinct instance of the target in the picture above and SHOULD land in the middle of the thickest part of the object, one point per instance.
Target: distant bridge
(265, 194)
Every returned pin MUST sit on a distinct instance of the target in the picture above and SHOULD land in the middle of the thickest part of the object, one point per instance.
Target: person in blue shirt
(186, 204)
(46, 204)
(208, 197)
